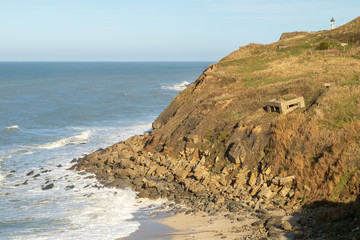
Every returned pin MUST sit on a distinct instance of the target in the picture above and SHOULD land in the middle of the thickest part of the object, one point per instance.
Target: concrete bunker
(284, 105)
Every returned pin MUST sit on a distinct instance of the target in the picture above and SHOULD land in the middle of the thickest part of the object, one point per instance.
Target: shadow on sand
(329, 220)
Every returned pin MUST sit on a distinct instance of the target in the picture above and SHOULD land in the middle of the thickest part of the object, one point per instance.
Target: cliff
(216, 144)
(223, 113)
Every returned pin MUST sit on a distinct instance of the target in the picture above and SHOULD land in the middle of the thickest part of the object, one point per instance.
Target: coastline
(224, 225)
(219, 148)
(151, 227)
(176, 222)
(243, 216)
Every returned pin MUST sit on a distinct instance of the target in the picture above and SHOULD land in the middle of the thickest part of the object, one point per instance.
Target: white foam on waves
(87, 213)
(1, 173)
(1, 176)
(12, 127)
(104, 137)
(106, 217)
(81, 212)
(1, 158)
(177, 87)
(73, 140)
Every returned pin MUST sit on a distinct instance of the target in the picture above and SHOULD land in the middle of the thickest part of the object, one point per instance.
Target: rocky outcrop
(186, 179)
(215, 148)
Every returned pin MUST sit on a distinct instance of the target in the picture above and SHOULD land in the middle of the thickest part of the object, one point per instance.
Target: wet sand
(152, 229)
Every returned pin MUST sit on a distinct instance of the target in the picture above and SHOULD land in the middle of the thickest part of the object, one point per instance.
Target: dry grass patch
(340, 106)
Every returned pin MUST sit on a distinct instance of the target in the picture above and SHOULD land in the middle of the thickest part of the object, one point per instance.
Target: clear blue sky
(158, 30)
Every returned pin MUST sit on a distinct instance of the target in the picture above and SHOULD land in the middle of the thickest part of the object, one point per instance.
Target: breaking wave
(177, 87)
(12, 127)
(81, 138)
(103, 215)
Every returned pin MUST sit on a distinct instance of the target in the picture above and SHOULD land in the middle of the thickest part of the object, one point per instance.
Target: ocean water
(51, 113)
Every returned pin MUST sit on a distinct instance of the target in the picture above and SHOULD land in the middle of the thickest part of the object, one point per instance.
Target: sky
(155, 30)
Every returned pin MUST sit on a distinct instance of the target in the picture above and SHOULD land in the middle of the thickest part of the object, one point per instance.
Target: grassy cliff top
(319, 144)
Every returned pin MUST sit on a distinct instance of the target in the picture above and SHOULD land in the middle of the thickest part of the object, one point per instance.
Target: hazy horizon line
(74, 61)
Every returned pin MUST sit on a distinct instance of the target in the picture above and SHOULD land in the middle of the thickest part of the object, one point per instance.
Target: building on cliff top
(332, 23)
(284, 106)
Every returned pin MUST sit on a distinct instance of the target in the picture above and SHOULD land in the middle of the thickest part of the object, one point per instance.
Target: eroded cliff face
(215, 143)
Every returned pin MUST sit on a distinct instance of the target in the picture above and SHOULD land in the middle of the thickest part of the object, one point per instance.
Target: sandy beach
(203, 226)
(241, 225)
(219, 226)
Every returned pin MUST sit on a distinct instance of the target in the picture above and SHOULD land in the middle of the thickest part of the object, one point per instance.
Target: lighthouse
(332, 23)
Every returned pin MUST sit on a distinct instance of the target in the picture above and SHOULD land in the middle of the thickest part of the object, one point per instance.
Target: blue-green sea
(51, 113)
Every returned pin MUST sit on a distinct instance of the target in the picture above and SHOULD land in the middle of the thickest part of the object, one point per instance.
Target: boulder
(259, 223)
(151, 170)
(145, 162)
(283, 180)
(161, 170)
(222, 180)
(124, 172)
(267, 171)
(69, 187)
(150, 184)
(199, 172)
(181, 174)
(265, 193)
(197, 189)
(236, 153)
(291, 193)
(195, 156)
(220, 200)
(126, 163)
(138, 182)
(285, 225)
(284, 191)
(143, 193)
(252, 179)
(254, 190)
(126, 153)
(240, 179)
(47, 187)
(214, 183)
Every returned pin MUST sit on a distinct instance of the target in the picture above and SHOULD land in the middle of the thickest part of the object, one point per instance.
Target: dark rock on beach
(47, 187)
(69, 187)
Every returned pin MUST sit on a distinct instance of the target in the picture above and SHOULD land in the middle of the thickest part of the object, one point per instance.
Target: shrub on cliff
(323, 46)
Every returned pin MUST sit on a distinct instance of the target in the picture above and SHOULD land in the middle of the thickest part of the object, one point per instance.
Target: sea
(53, 112)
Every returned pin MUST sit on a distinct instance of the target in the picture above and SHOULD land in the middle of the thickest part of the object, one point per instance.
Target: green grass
(247, 64)
(296, 49)
(339, 188)
(323, 46)
(356, 56)
(350, 81)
